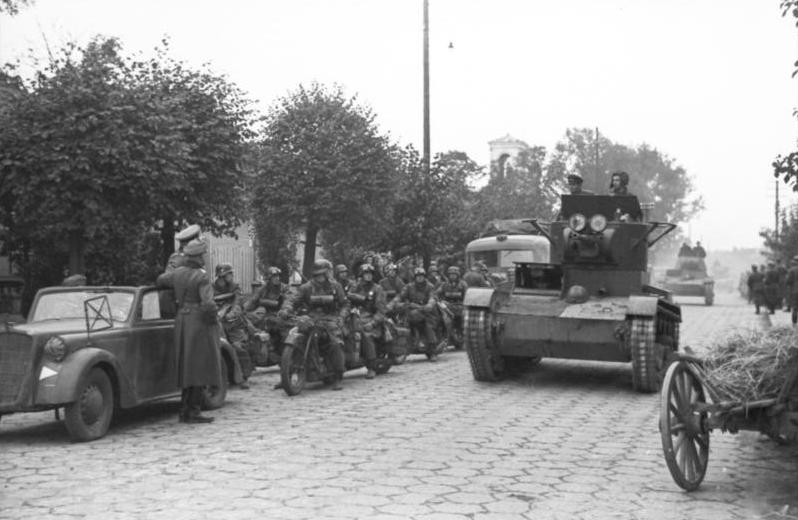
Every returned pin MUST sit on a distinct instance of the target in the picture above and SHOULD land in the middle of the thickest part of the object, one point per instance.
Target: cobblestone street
(566, 440)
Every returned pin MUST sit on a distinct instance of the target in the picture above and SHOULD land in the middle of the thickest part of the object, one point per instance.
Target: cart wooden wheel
(685, 437)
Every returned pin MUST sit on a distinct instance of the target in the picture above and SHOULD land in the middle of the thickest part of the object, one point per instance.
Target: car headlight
(598, 223)
(577, 222)
(55, 349)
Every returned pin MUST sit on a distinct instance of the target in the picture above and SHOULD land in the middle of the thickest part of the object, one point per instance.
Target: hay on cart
(752, 365)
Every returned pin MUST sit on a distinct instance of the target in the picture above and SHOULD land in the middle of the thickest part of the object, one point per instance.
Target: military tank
(690, 278)
(591, 301)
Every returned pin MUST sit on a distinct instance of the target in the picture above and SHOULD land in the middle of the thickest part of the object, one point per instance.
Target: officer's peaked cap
(188, 233)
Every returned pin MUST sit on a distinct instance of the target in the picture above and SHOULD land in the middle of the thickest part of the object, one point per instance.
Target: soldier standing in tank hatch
(196, 331)
(619, 182)
(575, 182)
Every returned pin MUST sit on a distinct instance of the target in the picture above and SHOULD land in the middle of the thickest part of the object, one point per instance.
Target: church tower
(503, 151)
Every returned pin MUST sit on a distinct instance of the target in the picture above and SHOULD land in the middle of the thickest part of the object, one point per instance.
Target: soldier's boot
(370, 373)
(337, 383)
(432, 346)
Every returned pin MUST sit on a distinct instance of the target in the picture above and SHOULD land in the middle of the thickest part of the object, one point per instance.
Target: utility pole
(596, 170)
(426, 155)
(777, 211)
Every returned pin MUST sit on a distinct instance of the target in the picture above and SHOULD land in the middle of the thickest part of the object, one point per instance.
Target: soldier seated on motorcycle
(271, 297)
(392, 285)
(368, 299)
(327, 306)
(226, 294)
(451, 292)
(418, 299)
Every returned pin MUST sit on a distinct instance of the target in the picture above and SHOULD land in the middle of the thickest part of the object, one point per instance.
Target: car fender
(58, 382)
(228, 352)
(478, 297)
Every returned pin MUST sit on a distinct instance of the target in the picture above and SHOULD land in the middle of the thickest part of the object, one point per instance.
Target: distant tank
(591, 300)
(690, 278)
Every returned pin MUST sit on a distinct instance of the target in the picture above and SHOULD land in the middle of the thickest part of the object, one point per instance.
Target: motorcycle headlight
(598, 223)
(577, 222)
(55, 349)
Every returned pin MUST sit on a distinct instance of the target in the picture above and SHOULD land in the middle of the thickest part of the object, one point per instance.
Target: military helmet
(453, 270)
(433, 268)
(341, 268)
(274, 271)
(223, 269)
(419, 271)
(320, 267)
(366, 268)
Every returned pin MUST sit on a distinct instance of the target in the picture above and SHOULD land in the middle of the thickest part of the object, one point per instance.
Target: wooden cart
(690, 409)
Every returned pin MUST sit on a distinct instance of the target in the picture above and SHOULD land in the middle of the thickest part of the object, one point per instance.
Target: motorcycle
(306, 363)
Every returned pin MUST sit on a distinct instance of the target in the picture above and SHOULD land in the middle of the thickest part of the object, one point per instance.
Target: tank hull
(539, 326)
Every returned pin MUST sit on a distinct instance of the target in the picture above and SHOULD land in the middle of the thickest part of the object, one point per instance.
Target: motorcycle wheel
(293, 374)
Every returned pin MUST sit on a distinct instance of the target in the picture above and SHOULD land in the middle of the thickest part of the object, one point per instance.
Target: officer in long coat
(196, 331)
(184, 236)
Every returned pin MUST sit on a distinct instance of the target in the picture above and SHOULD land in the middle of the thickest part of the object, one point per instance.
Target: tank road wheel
(685, 439)
(486, 365)
(648, 357)
(214, 396)
(292, 370)
(89, 416)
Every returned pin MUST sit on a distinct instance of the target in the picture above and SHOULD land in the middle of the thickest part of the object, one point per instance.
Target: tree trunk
(167, 239)
(309, 255)
(77, 253)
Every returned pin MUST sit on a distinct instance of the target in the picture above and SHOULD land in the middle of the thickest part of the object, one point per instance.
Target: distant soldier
(699, 251)
(783, 295)
(237, 328)
(369, 299)
(792, 287)
(452, 292)
(418, 299)
(391, 284)
(434, 276)
(575, 182)
(474, 277)
(196, 331)
(772, 288)
(342, 277)
(270, 297)
(685, 250)
(756, 287)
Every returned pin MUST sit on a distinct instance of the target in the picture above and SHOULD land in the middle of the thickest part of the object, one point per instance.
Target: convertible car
(92, 350)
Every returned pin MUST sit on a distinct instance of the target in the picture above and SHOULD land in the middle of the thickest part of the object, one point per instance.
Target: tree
(323, 168)
(12, 7)
(98, 149)
(529, 189)
(432, 210)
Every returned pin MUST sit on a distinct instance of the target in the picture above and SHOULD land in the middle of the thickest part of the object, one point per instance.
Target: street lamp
(426, 155)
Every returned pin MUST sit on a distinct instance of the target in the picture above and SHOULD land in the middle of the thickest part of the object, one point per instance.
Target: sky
(707, 82)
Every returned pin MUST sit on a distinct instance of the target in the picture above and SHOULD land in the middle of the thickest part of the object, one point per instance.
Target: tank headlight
(55, 349)
(577, 222)
(598, 223)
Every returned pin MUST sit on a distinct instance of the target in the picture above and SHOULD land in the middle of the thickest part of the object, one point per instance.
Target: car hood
(51, 327)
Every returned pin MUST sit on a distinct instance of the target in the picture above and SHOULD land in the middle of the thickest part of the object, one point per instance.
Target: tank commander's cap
(188, 233)
(195, 248)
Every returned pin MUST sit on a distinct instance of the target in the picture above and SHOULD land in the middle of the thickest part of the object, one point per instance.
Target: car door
(153, 340)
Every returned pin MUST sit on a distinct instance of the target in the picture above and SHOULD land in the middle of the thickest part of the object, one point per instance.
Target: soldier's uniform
(452, 293)
(391, 284)
(792, 288)
(369, 300)
(327, 306)
(772, 288)
(196, 331)
(756, 287)
(271, 297)
(419, 298)
(227, 295)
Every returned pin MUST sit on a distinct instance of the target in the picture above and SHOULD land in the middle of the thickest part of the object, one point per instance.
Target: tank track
(476, 336)
(645, 376)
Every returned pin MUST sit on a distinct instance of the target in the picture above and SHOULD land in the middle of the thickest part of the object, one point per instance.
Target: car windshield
(504, 258)
(69, 305)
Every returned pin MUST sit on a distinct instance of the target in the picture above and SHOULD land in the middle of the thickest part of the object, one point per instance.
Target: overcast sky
(705, 81)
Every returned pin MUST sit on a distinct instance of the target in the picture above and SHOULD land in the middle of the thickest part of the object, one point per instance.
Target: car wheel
(215, 396)
(89, 417)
